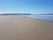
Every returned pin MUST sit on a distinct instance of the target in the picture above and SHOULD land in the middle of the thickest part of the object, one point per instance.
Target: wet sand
(25, 28)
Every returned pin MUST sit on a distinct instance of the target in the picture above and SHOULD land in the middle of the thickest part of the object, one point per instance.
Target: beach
(25, 28)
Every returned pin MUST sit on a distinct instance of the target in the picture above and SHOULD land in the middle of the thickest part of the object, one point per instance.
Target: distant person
(25, 17)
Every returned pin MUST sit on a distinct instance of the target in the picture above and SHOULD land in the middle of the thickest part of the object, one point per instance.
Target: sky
(26, 6)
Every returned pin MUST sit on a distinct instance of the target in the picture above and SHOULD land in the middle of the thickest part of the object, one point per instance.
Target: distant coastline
(15, 14)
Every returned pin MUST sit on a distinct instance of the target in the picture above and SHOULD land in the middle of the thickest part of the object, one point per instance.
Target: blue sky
(26, 6)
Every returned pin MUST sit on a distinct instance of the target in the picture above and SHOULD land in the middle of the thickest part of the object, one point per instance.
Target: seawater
(42, 17)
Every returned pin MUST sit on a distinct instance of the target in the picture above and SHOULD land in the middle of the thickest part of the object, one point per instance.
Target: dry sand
(21, 28)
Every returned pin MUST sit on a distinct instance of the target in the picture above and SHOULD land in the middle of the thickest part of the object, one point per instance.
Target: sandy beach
(25, 28)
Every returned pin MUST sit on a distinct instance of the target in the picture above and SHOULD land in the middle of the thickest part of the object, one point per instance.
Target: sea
(42, 17)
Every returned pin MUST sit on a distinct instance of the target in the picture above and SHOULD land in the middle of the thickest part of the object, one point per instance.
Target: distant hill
(15, 14)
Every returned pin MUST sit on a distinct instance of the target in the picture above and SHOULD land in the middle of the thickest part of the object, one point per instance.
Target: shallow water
(42, 17)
